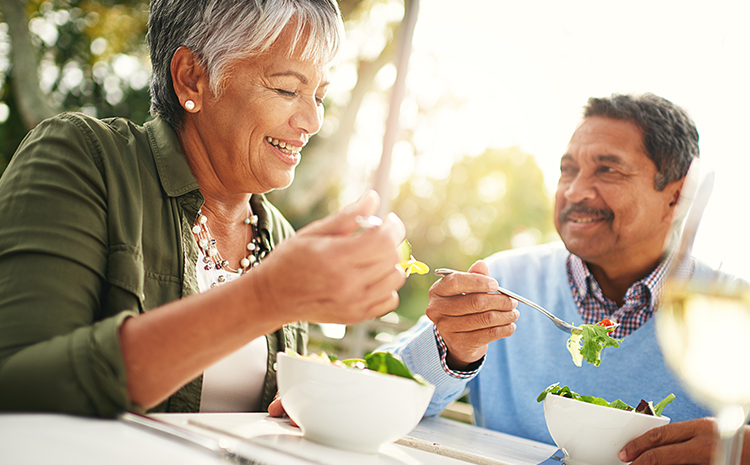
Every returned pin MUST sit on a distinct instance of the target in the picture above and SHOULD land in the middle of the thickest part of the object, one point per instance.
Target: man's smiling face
(607, 210)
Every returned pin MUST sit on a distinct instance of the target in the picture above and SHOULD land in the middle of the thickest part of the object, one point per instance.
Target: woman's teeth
(283, 146)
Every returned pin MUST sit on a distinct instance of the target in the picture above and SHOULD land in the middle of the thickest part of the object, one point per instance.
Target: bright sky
(525, 69)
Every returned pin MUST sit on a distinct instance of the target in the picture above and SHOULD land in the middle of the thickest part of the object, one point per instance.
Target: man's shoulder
(544, 253)
(536, 263)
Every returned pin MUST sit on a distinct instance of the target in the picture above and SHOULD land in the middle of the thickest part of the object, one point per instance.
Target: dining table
(244, 438)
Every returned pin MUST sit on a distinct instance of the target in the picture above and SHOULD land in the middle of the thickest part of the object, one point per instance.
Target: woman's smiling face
(252, 133)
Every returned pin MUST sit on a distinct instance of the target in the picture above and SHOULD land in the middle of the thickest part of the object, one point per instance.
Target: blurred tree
(86, 55)
(491, 202)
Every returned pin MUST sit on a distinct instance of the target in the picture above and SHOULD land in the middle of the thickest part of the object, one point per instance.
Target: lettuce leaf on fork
(589, 344)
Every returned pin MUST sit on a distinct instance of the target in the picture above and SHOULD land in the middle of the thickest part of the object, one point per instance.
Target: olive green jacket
(95, 226)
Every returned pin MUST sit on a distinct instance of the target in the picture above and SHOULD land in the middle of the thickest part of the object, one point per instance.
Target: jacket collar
(174, 171)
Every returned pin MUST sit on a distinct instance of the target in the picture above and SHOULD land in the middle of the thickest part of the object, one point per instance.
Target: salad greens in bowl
(592, 431)
(356, 404)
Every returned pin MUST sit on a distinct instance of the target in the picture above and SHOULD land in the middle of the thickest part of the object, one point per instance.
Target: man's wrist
(458, 365)
(467, 372)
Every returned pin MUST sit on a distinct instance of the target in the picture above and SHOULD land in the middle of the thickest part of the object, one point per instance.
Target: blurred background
(494, 91)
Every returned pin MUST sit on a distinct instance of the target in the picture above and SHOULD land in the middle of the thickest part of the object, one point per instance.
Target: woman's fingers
(344, 221)
(275, 409)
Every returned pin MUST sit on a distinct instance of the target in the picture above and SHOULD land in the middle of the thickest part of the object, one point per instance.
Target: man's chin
(585, 248)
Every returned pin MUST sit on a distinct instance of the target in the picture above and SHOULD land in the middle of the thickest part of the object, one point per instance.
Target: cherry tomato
(607, 323)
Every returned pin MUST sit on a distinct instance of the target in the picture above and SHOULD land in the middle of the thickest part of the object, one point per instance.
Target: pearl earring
(189, 105)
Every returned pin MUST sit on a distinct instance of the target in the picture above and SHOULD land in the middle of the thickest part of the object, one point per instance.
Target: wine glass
(703, 322)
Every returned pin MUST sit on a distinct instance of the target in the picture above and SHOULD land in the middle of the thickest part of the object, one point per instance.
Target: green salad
(644, 407)
(382, 362)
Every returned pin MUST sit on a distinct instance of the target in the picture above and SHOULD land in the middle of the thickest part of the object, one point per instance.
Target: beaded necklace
(212, 258)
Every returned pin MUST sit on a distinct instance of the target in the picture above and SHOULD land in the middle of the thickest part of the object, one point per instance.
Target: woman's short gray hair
(222, 31)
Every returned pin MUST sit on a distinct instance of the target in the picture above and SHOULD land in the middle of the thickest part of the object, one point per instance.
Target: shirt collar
(584, 283)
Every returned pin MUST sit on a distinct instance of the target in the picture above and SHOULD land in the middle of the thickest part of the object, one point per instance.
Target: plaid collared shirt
(640, 299)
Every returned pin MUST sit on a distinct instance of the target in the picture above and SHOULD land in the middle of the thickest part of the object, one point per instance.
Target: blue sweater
(518, 368)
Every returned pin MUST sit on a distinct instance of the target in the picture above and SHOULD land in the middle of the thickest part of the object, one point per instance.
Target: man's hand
(467, 316)
(685, 442)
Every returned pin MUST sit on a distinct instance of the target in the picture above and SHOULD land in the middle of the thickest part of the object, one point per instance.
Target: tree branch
(32, 103)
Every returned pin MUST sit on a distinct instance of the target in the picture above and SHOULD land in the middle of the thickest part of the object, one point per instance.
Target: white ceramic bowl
(348, 408)
(590, 434)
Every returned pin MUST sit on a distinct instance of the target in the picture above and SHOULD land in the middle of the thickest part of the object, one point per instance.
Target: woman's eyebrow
(302, 78)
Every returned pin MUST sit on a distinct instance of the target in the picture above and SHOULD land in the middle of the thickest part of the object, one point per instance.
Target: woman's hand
(690, 442)
(275, 409)
(332, 272)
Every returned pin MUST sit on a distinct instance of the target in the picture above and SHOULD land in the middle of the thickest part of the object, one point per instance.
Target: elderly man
(620, 179)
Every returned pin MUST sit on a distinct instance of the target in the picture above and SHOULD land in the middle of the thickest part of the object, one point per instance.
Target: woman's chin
(280, 181)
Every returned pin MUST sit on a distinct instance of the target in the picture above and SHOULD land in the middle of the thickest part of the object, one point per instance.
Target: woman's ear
(188, 79)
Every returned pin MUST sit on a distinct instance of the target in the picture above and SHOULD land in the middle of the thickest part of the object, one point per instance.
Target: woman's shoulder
(111, 145)
(75, 125)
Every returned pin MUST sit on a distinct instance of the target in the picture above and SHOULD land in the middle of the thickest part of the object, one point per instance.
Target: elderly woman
(144, 269)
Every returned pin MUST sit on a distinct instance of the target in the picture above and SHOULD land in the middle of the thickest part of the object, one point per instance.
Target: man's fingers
(480, 267)
(662, 443)
(463, 283)
(477, 321)
(468, 304)
(480, 337)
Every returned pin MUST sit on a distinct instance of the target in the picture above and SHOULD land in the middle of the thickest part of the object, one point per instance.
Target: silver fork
(562, 325)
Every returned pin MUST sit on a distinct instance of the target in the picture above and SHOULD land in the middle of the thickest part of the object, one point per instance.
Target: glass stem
(731, 436)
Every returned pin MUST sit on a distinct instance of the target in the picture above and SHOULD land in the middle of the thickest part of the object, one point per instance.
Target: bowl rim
(621, 411)
(356, 371)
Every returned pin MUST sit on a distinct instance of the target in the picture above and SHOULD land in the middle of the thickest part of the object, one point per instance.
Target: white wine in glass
(703, 328)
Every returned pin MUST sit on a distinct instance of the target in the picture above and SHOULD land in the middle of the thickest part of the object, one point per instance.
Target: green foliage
(93, 58)
(489, 203)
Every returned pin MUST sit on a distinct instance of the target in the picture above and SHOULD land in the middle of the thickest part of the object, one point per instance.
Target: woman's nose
(309, 117)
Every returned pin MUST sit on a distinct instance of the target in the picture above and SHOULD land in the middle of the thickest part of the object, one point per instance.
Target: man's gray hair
(222, 31)
(670, 137)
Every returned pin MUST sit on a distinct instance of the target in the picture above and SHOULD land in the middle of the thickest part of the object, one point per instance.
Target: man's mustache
(586, 210)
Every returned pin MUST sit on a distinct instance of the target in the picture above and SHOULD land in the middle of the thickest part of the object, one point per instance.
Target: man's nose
(580, 188)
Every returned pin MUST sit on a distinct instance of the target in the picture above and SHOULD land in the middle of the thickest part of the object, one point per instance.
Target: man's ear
(188, 79)
(676, 196)
(686, 192)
